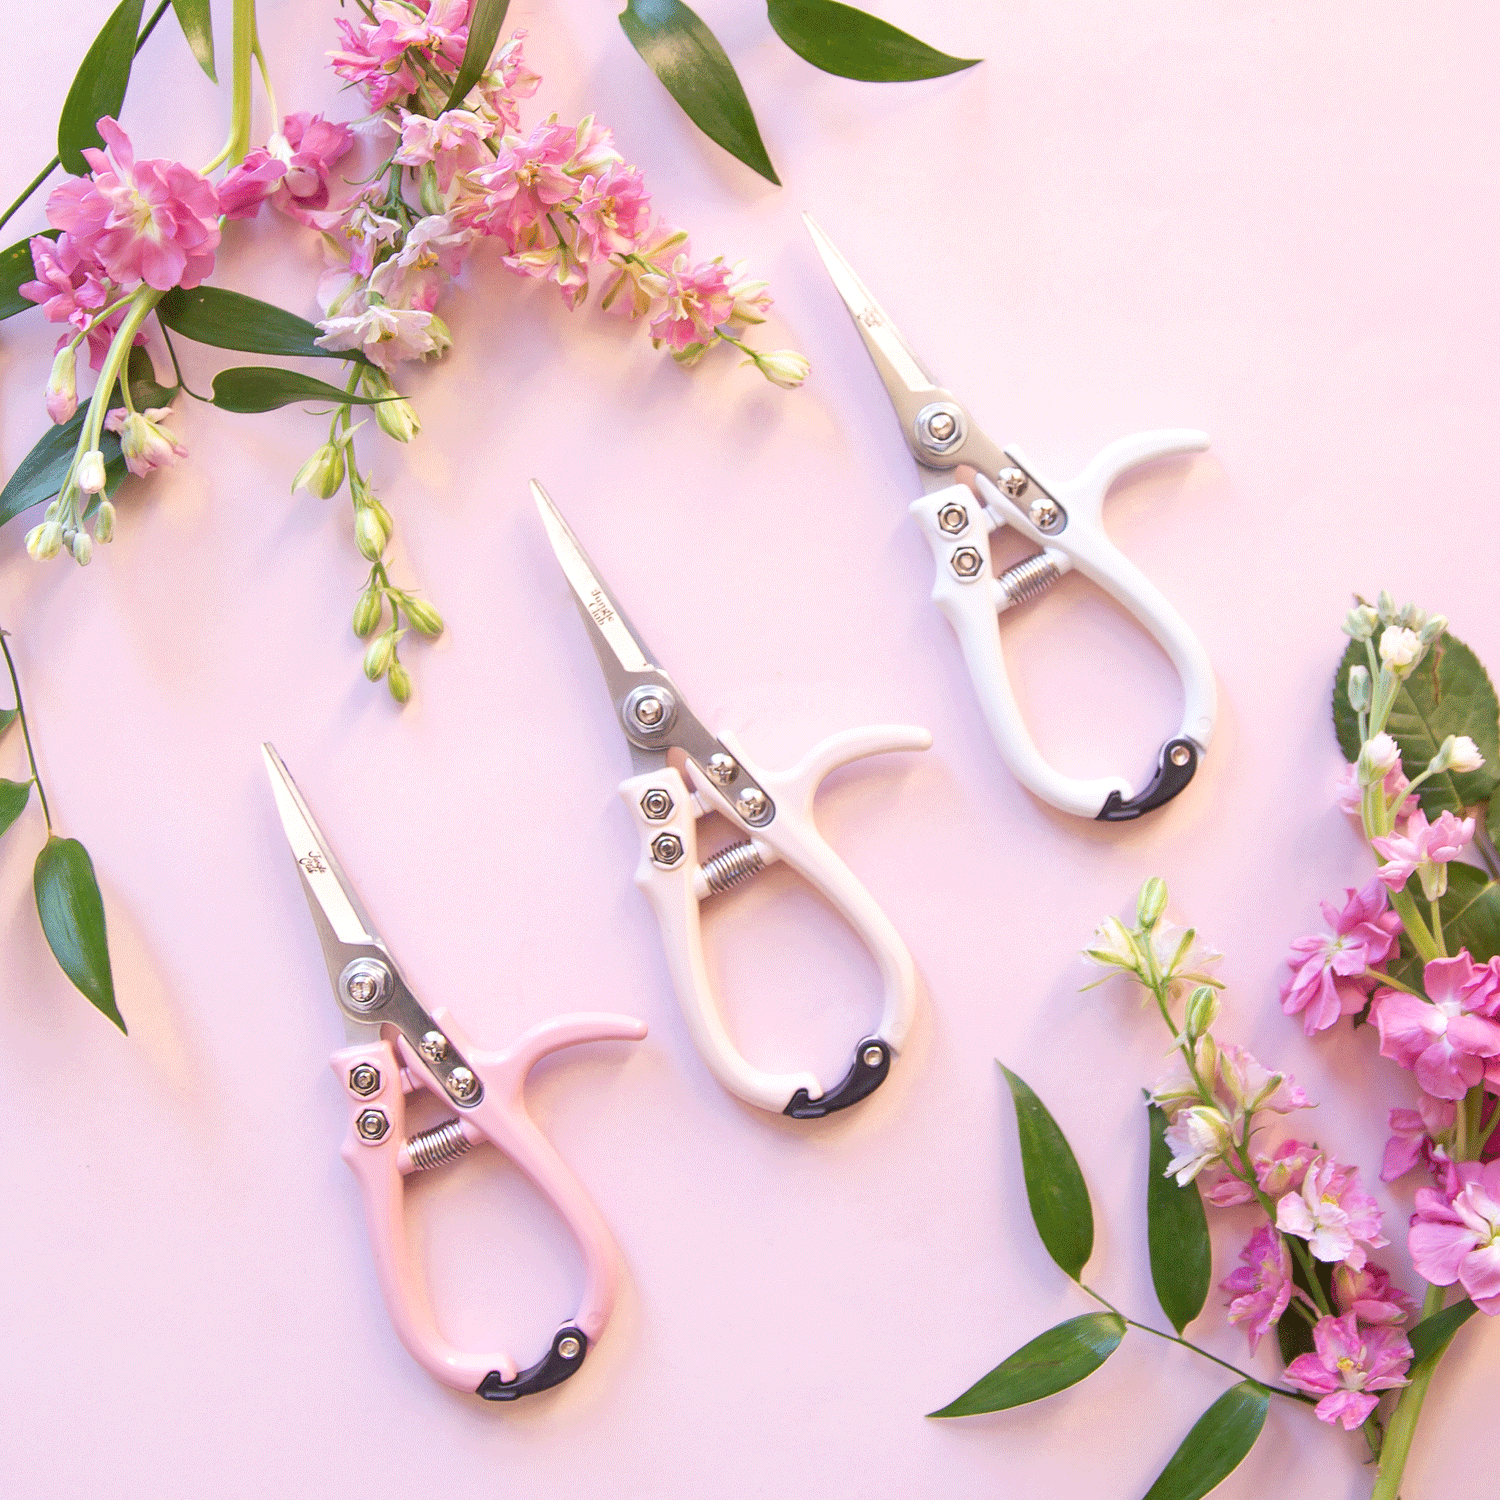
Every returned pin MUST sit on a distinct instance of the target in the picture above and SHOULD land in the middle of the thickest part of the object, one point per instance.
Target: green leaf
(1051, 1362)
(13, 796)
(15, 268)
(99, 86)
(231, 320)
(197, 26)
(1471, 919)
(248, 388)
(1450, 693)
(1431, 1335)
(145, 389)
(687, 57)
(854, 44)
(1212, 1451)
(7, 718)
(1054, 1185)
(484, 31)
(1293, 1331)
(72, 913)
(1177, 1233)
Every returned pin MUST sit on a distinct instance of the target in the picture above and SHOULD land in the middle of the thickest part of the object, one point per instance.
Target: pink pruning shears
(395, 1047)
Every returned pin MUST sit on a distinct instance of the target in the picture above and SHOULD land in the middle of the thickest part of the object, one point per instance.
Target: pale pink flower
(154, 221)
(1370, 1295)
(387, 334)
(1262, 1287)
(1348, 793)
(1254, 1087)
(375, 61)
(1327, 978)
(1279, 1172)
(453, 143)
(441, 27)
(146, 444)
(528, 178)
(357, 230)
(405, 284)
(245, 187)
(613, 211)
(627, 293)
(437, 242)
(1336, 1217)
(1412, 1137)
(1350, 1364)
(693, 300)
(507, 79)
(1457, 1238)
(1198, 1137)
(1422, 847)
(1448, 1042)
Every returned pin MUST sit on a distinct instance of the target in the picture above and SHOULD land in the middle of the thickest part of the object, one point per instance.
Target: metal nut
(967, 562)
(372, 1125)
(940, 427)
(1044, 513)
(568, 1348)
(1013, 482)
(649, 709)
(462, 1084)
(723, 768)
(364, 1080)
(952, 518)
(657, 804)
(433, 1046)
(666, 849)
(752, 804)
(366, 983)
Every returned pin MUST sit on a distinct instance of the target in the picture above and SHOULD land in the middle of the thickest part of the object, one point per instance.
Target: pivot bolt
(433, 1046)
(463, 1084)
(967, 562)
(364, 1080)
(952, 518)
(366, 983)
(372, 1125)
(940, 427)
(1013, 482)
(568, 1348)
(1180, 755)
(873, 1055)
(723, 768)
(666, 849)
(1044, 513)
(657, 804)
(752, 804)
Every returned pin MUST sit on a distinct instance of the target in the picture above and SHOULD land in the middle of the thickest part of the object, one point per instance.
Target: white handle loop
(670, 874)
(967, 592)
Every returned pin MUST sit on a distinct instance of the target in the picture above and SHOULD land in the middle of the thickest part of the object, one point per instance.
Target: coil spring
(431, 1148)
(732, 865)
(1031, 576)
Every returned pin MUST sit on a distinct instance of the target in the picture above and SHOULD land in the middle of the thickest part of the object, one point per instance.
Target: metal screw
(1044, 513)
(666, 849)
(723, 768)
(568, 1348)
(649, 709)
(1013, 482)
(952, 518)
(967, 562)
(1180, 755)
(364, 1080)
(462, 1083)
(648, 712)
(752, 804)
(372, 1125)
(656, 804)
(873, 1055)
(366, 983)
(434, 1046)
(940, 427)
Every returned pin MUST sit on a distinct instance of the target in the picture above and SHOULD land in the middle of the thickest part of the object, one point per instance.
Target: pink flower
(545, 256)
(1262, 1287)
(507, 80)
(387, 334)
(357, 230)
(154, 221)
(442, 30)
(1327, 969)
(694, 301)
(1332, 1213)
(527, 179)
(437, 242)
(373, 59)
(1285, 1168)
(613, 211)
(453, 143)
(1348, 1365)
(245, 187)
(1457, 1238)
(1370, 1296)
(1448, 1042)
(406, 285)
(1412, 1137)
(145, 443)
(1349, 794)
(1422, 848)
(310, 146)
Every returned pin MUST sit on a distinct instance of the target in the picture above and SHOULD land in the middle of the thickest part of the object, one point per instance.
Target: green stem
(1380, 977)
(1416, 928)
(36, 775)
(243, 47)
(1403, 1424)
(141, 304)
(1437, 924)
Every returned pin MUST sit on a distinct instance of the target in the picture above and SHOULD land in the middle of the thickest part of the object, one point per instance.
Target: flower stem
(243, 45)
(1416, 929)
(1403, 1424)
(36, 775)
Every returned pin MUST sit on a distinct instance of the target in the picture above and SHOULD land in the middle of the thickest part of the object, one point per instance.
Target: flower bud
(44, 541)
(83, 548)
(90, 475)
(369, 534)
(381, 654)
(1360, 622)
(388, 525)
(1434, 627)
(423, 617)
(430, 194)
(1377, 757)
(1201, 1012)
(62, 387)
(1400, 649)
(398, 419)
(398, 680)
(1464, 755)
(783, 367)
(1152, 902)
(1359, 688)
(368, 610)
(323, 474)
(104, 521)
(1386, 607)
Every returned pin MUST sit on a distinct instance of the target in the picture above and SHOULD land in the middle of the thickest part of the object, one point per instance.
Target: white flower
(783, 367)
(1464, 756)
(1377, 758)
(91, 472)
(1114, 947)
(1400, 649)
(387, 334)
(1197, 1138)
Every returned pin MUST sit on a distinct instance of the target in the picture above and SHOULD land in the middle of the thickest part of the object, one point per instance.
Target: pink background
(1276, 222)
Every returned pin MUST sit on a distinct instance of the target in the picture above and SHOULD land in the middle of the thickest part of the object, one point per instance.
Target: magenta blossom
(1457, 1238)
(528, 179)
(614, 211)
(697, 299)
(1348, 1365)
(1370, 1295)
(1450, 1042)
(440, 27)
(1413, 1133)
(291, 169)
(373, 59)
(1328, 968)
(1421, 849)
(1336, 1217)
(1262, 1287)
(155, 221)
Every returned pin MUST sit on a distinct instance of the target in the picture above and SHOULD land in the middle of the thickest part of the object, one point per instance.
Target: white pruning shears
(1064, 522)
(682, 772)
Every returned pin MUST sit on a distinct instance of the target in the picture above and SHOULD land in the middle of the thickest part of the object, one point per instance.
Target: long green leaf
(72, 913)
(1450, 693)
(688, 59)
(197, 26)
(1212, 1451)
(99, 86)
(1431, 1335)
(484, 31)
(13, 797)
(1054, 1185)
(1176, 1232)
(16, 267)
(250, 388)
(1293, 1331)
(1471, 919)
(1051, 1362)
(8, 717)
(854, 44)
(231, 320)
